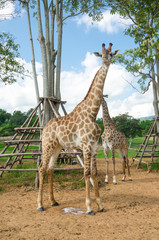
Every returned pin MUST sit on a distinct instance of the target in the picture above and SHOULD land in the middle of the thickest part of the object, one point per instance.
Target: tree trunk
(157, 70)
(59, 47)
(53, 52)
(44, 61)
(154, 87)
(33, 63)
(48, 50)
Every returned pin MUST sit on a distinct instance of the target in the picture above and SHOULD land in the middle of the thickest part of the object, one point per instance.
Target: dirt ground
(132, 211)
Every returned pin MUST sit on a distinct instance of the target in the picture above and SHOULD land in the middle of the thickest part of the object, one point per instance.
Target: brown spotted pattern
(114, 140)
(75, 130)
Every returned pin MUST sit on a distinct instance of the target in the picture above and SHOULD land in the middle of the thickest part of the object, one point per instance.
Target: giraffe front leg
(88, 200)
(42, 170)
(94, 176)
(113, 159)
(87, 173)
(120, 152)
(124, 175)
(127, 163)
(50, 183)
(106, 151)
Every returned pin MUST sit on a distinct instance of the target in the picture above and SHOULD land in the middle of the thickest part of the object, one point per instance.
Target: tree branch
(143, 92)
(86, 9)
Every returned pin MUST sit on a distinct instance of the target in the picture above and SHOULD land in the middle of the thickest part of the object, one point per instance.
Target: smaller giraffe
(114, 140)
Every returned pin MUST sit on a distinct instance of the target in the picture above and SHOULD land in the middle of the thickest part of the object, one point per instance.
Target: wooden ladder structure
(26, 143)
(150, 147)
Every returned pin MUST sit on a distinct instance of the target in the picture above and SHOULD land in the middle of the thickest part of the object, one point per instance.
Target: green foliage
(17, 119)
(99, 120)
(4, 116)
(9, 121)
(91, 7)
(144, 15)
(145, 126)
(128, 125)
(10, 68)
(61, 178)
(6, 130)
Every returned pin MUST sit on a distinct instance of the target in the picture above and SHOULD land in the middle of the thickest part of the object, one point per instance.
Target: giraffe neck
(93, 98)
(107, 121)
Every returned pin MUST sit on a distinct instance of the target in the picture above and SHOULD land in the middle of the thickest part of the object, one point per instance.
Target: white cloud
(7, 11)
(122, 97)
(20, 95)
(74, 86)
(109, 23)
(137, 105)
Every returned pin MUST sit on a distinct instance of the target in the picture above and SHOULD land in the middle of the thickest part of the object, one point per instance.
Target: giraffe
(114, 140)
(79, 130)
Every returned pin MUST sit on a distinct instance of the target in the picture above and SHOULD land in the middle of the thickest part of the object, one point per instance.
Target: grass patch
(143, 166)
(62, 179)
(100, 153)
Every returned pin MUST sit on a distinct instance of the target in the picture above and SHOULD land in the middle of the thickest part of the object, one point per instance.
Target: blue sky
(79, 65)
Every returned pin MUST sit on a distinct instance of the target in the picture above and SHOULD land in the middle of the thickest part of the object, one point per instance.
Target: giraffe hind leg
(47, 164)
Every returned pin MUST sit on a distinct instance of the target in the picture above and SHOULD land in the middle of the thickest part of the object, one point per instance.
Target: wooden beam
(19, 154)
(23, 141)
(28, 128)
(36, 170)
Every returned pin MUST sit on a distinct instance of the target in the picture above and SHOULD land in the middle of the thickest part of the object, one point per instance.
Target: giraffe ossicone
(77, 130)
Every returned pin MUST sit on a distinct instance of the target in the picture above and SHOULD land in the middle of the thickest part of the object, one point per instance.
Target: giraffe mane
(91, 85)
(88, 90)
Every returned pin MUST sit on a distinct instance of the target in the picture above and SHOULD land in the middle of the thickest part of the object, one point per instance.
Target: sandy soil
(132, 211)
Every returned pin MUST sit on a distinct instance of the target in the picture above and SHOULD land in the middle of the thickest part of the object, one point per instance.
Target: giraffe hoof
(102, 210)
(90, 213)
(106, 182)
(114, 183)
(55, 204)
(123, 180)
(130, 179)
(41, 209)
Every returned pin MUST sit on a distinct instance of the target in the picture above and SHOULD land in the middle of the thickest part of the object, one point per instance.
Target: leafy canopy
(128, 125)
(10, 68)
(144, 28)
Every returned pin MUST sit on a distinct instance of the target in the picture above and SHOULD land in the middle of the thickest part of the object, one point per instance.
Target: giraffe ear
(97, 54)
(115, 53)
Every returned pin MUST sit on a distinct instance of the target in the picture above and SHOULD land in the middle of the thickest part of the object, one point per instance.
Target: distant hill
(147, 118)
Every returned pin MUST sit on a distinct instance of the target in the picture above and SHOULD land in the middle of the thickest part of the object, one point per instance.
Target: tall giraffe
(76, 130)
(114, 140)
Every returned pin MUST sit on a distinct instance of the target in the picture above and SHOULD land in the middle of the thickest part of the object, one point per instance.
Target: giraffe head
(107, 54)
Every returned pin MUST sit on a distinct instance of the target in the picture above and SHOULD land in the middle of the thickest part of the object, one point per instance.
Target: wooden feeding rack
(26, 143)
(149, 149)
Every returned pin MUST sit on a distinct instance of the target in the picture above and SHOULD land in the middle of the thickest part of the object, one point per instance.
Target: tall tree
(128, 125)
(51, 15)
(10, 67)
(143, 60)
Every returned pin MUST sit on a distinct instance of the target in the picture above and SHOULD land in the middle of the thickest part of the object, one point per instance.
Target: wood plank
(23, 141)
(19, 154)
(28, 128)
(36, 170)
